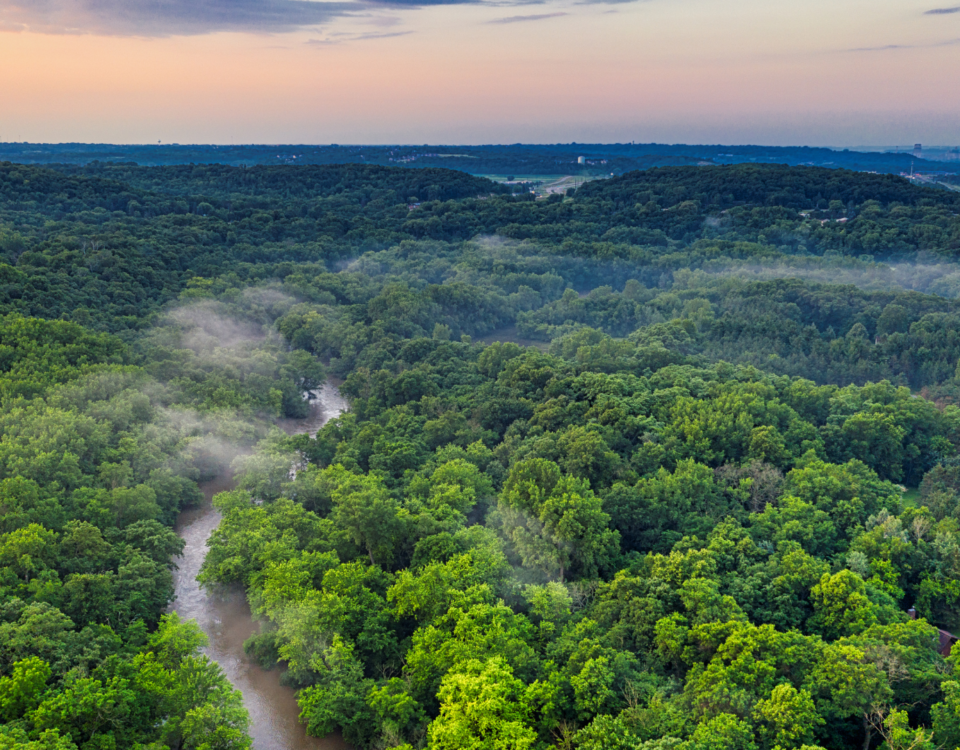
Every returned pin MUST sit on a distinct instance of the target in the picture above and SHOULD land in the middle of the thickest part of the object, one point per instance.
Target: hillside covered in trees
(662, 463)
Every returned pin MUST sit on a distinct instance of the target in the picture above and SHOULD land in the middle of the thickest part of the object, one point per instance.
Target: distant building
(918, 150)
(581, 160)
(946, 642)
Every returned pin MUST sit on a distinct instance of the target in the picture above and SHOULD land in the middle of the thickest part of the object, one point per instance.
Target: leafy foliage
(675, 525)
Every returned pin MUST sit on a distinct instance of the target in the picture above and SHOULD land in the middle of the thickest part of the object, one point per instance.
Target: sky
(819, 72)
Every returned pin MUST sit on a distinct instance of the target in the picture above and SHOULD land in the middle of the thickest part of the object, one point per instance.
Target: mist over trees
(661, 463)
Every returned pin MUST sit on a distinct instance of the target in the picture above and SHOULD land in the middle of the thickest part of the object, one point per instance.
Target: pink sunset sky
(837, 72)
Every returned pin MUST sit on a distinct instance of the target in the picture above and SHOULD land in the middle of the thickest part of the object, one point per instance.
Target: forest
(600, 159)
(669, 461)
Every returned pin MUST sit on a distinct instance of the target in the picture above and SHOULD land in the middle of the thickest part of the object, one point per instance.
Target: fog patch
(207, 326)
(940, 279)
(271, 301)
(494, 243)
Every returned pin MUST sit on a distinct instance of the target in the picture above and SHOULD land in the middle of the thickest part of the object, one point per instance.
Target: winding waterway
(226, 619)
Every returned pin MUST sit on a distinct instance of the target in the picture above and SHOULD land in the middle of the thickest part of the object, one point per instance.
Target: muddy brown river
(225, 616)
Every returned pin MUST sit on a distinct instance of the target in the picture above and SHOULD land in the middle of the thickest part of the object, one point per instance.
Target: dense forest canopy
(106, 253)
(659, 463)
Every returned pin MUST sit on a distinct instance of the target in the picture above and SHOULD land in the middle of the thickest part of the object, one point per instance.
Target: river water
(225, 616)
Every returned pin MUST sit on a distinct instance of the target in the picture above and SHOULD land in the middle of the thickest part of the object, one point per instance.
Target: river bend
(225, 615)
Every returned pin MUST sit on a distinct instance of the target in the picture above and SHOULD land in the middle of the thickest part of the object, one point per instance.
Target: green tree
(555, 522)
(788, 717)
(723, 732)
(946, 716)
(846, 685)
(21, 691)
(338, 699)
(841, 606)
(482, 707)
(363, 507)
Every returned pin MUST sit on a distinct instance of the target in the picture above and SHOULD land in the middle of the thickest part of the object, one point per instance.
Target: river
(225, 616)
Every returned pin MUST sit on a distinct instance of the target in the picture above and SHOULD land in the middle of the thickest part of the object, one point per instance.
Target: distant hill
(520, 160)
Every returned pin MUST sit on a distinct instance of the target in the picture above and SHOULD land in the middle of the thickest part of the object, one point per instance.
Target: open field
(911, 497)
(548, 184)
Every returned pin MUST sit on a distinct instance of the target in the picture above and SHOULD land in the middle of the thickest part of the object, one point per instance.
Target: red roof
(946, 641)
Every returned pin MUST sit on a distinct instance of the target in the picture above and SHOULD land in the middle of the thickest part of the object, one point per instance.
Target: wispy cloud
(164, 18)
(882, 48)
(887, 47)
(605, 2)
(422, 3)
(522, 19)
(384, 35)
(942, 11)
(151, 18)
(342, 37)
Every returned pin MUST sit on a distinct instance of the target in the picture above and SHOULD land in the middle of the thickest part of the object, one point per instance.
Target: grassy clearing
(911, 497)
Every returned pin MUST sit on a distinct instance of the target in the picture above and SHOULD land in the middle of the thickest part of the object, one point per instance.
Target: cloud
(886, 47)
(883, 48)
(164, 18)
(521, 19)
(341, 37)
(423, 3)
(382, 35)
(942, 11)
(160, 18)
